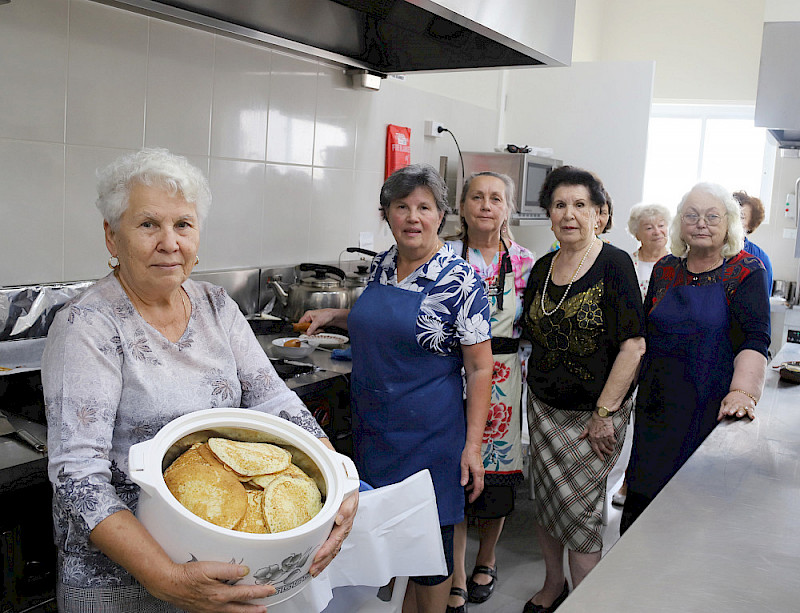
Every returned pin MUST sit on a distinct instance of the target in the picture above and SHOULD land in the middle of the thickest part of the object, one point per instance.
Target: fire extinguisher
(398, 148)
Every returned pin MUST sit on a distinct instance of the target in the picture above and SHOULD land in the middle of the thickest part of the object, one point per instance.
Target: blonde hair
(734, 237)
(510, 195)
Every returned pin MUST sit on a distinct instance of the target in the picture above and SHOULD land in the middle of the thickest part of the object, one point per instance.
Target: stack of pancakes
(249, 487)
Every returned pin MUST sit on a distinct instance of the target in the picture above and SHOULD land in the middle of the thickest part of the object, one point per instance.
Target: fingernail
(244, 571)
(339, 518)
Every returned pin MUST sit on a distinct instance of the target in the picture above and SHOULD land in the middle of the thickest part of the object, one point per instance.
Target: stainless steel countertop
(723, 534)
(20, 464)
(320, 358)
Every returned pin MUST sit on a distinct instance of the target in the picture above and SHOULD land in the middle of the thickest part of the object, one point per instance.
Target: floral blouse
(455, 312)
(521, 261)
(111, 380)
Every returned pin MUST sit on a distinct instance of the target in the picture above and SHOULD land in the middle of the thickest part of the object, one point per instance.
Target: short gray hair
(642, 212)
(734, 238)
(405, 180)
(153, 167)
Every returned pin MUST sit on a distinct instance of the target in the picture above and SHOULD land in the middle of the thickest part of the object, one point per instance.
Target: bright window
(716, 143)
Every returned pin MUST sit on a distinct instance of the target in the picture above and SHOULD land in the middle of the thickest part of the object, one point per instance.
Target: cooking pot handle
(351, 481)
(322, 269)
(137, 465)
(371, 254)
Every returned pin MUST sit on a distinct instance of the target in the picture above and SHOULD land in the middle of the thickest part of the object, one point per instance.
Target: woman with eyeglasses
(485, 242)
(707, 316)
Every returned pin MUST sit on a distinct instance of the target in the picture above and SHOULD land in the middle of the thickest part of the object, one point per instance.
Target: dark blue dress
(696, 324)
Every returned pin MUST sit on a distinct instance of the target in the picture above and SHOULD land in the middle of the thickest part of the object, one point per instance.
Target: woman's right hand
(319, 318)
(204, 587)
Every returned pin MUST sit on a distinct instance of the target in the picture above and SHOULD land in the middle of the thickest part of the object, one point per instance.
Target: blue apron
(407, 403)
(685, 375)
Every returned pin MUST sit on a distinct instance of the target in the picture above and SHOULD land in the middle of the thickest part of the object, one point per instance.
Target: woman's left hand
(472, 466)
(341, 528)
(600, 432)
(736, 406)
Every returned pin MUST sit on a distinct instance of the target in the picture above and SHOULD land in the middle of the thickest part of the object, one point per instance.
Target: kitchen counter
(20, 464)
(321, 359)
(722, 535)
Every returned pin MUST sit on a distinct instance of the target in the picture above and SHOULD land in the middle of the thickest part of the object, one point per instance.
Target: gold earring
(196, 259)
(110, 264)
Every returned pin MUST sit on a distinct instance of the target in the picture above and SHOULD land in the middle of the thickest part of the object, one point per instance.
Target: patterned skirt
(569, 480)
(117, 599)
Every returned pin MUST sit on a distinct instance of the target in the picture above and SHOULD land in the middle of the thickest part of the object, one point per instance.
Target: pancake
(189, 457)
(209, 492)
(250, 459)
(290, 502)
(253, 520)
(292, 470)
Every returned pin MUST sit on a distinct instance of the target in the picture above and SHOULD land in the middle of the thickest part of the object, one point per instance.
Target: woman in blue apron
(707, 315)
(422, 318)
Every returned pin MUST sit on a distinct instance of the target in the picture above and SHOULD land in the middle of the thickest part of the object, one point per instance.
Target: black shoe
(457, 591)
(537, 608)
(477, 592)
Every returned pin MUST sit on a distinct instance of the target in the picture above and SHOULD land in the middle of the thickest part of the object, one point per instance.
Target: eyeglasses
(712, 219)
(518, 149)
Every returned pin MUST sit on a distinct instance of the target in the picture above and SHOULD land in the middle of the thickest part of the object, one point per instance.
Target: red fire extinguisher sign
(398, 148)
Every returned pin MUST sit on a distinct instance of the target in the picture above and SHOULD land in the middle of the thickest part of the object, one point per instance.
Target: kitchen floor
(520, 566)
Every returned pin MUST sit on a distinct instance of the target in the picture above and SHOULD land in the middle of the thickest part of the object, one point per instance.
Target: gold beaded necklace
(571, 281)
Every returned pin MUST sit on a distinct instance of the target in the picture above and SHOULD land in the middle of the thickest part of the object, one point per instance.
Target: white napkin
(395, 534)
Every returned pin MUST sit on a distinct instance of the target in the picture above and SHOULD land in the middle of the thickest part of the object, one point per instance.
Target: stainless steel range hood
(390, 36)
(778, 98)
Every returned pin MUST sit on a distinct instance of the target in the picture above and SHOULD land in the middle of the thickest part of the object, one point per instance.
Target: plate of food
(325, 339)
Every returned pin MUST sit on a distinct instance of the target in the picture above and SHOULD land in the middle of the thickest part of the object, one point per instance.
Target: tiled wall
(293, 154)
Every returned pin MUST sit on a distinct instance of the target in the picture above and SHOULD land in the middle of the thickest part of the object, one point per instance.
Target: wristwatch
(603, 411)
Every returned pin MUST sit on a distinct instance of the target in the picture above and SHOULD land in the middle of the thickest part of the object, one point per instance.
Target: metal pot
(320, 291)
(357, 281)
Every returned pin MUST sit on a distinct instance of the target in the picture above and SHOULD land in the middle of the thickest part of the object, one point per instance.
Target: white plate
(305, 348)
(324, 339)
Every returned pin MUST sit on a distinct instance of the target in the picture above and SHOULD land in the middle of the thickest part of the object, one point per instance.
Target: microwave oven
(527, 171)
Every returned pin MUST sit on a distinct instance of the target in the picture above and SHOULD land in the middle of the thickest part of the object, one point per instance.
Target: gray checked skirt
(569, 480)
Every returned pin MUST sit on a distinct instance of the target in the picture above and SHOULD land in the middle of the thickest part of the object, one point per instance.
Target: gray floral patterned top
(111, 380)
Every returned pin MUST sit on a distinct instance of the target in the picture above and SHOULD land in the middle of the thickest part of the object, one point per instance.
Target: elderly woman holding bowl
(139, 348)
(707, 314)
(422, 318)
(648, 224)
(485, 242)
(583, 316)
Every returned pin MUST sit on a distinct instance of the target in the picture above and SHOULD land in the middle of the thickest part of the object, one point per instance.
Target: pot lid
(324, 282)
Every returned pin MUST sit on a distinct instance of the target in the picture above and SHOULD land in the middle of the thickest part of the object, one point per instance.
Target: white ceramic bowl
(305, 348)
(280, 559)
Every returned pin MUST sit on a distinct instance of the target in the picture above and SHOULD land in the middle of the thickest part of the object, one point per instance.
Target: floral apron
(502, 445)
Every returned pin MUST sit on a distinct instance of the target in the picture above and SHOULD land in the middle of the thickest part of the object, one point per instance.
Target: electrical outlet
(432, 128)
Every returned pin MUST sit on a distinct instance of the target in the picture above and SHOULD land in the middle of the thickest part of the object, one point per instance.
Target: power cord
(441, 129)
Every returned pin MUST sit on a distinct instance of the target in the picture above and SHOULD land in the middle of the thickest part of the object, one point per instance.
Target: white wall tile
(233, 227)
(241, 100)
(287, 215)
(107, 76)
(364, 211)
(335, 132)
(85, 253)
(33, 33)
(32, 210)
(179, 86)
(292, 108)
(331, 203)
